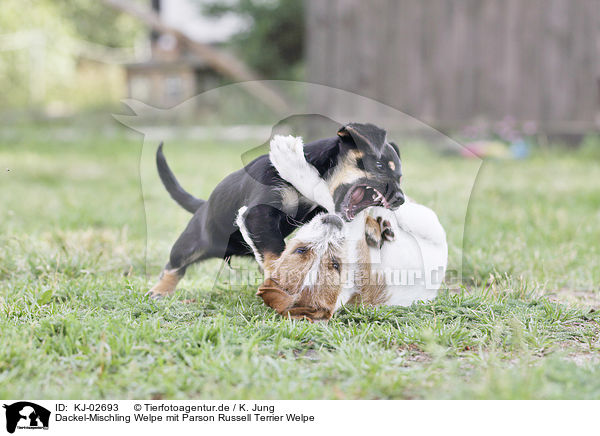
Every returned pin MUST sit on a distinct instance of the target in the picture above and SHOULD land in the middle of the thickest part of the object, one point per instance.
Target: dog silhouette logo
(26, 415)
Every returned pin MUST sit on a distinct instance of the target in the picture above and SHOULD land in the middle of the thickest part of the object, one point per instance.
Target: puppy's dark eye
(379, 165)
(301, 250)
(335, 265)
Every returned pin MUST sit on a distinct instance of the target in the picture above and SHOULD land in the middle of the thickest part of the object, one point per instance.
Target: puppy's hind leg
(167, 282)
(191, 246)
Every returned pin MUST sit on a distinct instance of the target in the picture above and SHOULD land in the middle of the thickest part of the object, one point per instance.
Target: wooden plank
(379, 57)
(510, 98)
(400, 52)
(558, 96)
(364, 55)
(461, 66)
(343, 51)
(414, 58)
(492, 37)
(389, 75)
(315, 38)
(472, 69)
(448, 67)
(585, 80)
(318, 46)
(527, 82)
(435, 44)
(595, 47)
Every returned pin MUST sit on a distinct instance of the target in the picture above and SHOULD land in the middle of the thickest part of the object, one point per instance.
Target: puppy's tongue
(357, 195)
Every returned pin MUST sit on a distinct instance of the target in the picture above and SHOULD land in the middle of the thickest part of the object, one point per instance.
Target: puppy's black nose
(397, 199)
(333, 220)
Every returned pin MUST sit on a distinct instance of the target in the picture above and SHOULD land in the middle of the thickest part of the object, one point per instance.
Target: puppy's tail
(177, 193)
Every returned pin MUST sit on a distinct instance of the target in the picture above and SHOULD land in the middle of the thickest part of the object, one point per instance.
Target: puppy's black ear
(395, 147)
(367, 137)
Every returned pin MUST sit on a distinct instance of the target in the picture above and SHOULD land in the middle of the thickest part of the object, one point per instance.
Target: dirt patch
(587, 358)
(413, 354)
(309, 354)
(581, 353)
(581, 297)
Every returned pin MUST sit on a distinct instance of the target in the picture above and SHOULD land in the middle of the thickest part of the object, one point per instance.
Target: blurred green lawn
(75, 322)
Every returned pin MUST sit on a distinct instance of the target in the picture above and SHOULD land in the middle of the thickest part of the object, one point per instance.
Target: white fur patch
(420, 221)
(287, 156)
(289, 200)
(239, 220)
(414, 264)
(354, 233)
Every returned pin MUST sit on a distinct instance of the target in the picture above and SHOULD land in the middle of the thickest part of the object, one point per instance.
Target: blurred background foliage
(273, 41)
(59, 58)
(42, 54)
(93, 21)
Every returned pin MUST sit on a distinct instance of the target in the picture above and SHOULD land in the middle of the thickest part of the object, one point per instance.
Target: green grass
(74, 321)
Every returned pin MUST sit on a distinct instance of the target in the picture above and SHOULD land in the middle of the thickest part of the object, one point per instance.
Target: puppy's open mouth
(359, 197)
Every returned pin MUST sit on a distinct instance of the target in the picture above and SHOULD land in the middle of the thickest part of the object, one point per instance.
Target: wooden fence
(449, 62)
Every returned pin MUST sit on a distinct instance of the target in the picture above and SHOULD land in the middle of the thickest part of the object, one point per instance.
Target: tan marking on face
(343, 133)
(357, 154)
(346, 171)
(392, 165)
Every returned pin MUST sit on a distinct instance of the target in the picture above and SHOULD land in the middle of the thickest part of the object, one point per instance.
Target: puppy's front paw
(387, 234)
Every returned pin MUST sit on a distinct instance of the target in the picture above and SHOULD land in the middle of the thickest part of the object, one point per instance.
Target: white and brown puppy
(305, 281)
(381, 257)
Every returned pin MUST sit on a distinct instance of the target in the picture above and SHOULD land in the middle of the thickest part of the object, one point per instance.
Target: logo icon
(26, 415)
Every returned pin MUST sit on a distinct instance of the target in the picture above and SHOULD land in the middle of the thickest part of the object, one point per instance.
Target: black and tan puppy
(359, 167)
